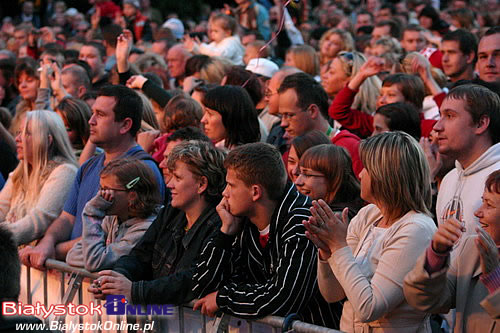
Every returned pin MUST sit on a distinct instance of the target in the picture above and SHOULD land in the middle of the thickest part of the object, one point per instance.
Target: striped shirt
(280, 279)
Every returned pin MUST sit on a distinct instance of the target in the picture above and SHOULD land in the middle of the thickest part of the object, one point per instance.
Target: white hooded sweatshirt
(466, 186)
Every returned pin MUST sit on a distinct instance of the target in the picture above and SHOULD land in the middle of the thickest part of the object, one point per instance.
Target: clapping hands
(326, 229)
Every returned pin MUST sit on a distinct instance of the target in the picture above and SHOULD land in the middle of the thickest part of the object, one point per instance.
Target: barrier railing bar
(45, 289)
(275, 322)
(64, 267)
(61, 291)
(28, 284)
(99, 317)
(300, 326)
(119, 320)
(181, 319)
(80, 301)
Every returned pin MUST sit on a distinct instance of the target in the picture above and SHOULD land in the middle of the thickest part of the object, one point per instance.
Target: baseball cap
(262, 66)
(176, 26)
(134, 3)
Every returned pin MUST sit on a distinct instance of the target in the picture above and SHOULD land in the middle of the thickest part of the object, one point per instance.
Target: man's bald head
(274, 83)
(177, 56)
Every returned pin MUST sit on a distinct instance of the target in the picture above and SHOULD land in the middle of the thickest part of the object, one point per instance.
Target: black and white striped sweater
(280, 279)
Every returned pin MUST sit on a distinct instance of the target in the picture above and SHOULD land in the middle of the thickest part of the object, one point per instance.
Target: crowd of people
(331, 159)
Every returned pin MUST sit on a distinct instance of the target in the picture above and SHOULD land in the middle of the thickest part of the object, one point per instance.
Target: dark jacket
(161, 265)
(150, 89)
(279, 279)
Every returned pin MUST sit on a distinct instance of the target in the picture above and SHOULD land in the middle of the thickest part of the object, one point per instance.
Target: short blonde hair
(306, 59)
(148, 60)
(399, 173)
(215, 69)
(203, 160)
(390, 45)
(227, 22)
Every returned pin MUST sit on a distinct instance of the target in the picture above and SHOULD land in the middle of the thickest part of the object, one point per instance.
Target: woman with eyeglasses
(299, 146)
(325, 172)
(367, 259)
(342, 70)
(36, 190)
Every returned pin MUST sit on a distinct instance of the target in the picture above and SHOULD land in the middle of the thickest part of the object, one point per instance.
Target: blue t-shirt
(85, 189)
(2, 181)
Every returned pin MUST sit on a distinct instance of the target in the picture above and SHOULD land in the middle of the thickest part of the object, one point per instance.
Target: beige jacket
(456, 286)
(492, 304)
(374, 285)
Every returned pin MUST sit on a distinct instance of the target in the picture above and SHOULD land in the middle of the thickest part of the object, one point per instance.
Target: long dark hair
(77, 114)
(238, 113)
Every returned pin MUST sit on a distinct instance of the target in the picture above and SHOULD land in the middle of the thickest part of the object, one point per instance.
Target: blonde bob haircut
(50, 148)
(306, 59)
(399, 173)
(215, 69)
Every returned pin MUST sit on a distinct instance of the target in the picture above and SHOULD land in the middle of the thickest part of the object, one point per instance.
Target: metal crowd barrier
(64, 284)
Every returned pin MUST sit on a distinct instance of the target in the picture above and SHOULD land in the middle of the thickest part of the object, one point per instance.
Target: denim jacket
(161, 265)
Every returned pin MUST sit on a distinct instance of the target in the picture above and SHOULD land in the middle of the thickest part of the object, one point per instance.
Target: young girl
(225, 41)
(118, 216)
(326, 173)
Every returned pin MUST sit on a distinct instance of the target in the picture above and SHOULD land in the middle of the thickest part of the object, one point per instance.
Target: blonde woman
(303, 57)
(342, 69)
(149, 119)
(35, 192)
(214, 70)
(332, 42)
(367, 259)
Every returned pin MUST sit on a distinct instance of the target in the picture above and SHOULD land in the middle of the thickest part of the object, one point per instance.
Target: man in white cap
(264, 69)
(175, 25)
